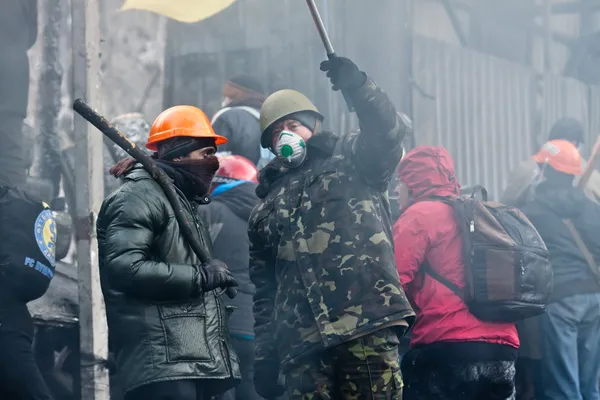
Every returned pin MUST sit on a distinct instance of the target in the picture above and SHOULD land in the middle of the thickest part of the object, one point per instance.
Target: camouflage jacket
(321, 252)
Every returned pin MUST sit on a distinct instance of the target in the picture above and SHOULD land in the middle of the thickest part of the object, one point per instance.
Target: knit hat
(244, 87)
(247, 83)
(182, 146)
(307, 118)
(568, 129)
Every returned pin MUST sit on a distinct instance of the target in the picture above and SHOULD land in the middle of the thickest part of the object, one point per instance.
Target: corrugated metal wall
(278, 42)
(478, 107)
(490, 113)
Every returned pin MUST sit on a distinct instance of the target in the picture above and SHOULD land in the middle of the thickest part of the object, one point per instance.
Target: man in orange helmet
(569, 223)
(166, 320)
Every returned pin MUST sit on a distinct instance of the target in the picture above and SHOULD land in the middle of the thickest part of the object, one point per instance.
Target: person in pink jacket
(452, 355)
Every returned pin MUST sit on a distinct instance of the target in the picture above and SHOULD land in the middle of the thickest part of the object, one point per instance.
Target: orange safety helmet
(561, 155)
(235, 168)
(181, 121)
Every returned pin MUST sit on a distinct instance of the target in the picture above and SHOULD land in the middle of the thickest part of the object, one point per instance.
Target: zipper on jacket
(520, 249)
(222, 326)
(217, 299)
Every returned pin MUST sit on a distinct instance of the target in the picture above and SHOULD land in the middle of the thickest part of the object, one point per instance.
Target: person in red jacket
(452, 355)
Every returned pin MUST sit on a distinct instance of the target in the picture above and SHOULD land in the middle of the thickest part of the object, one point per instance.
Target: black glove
(214, 275)
(266, 379)
(343, 73)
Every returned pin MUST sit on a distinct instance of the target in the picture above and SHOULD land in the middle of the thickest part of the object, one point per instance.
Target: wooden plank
(89, 183)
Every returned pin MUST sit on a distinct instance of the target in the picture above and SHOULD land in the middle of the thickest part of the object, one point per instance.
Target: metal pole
(547, 36)
(49, 90)
(89, 182)
(314, 11)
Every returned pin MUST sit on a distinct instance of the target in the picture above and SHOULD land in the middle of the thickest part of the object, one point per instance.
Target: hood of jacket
(566, 202)
(429, 171)
(320, 145)
(238, 196)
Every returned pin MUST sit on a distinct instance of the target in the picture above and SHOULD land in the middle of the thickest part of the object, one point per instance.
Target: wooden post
(89, 186)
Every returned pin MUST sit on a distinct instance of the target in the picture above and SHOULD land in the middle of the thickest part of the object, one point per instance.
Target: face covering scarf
(192, 177)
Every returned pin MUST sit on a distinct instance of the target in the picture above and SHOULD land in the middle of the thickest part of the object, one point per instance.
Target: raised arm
(377, 149)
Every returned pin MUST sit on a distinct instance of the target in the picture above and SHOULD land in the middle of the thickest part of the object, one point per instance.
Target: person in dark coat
(570, 329)
(18, 33)
(166, 319)
(233, 198)
(329, 307)
(243, 95)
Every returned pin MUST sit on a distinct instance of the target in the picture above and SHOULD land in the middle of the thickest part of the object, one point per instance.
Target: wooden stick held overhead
(590, 166)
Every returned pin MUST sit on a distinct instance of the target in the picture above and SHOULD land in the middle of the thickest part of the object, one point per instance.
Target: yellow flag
(181, 10)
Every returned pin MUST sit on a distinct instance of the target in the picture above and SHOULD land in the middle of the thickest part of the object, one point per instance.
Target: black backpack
(27, 244)
(508, 276)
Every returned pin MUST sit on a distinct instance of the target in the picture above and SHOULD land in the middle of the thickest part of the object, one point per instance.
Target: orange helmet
(181, 121)
(235, 168)
(561, 155)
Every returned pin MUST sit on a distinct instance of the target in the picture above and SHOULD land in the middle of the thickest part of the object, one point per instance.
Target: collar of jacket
(138, 173)
(322, 145)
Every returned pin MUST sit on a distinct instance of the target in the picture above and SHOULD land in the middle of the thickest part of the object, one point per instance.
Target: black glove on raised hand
(266, 383)
(343, 73)
(214, 275)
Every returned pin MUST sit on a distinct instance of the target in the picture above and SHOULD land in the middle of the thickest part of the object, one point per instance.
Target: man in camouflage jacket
(329, 307)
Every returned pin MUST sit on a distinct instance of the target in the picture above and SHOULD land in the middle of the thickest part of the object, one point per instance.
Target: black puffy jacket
(572, 274)
(227, 220)
(159, 329)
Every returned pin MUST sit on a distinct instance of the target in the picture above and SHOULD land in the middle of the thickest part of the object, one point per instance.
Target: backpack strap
(426, 267)
(218, 114)
(255, 113)
(480, 189)
(581, 244)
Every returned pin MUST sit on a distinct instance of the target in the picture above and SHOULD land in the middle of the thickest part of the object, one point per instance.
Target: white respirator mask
(290, 149)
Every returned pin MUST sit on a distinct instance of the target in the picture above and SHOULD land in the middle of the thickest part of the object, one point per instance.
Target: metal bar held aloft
(314, 11)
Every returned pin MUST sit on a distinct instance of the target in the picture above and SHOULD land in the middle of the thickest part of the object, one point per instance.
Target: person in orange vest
(166, 320)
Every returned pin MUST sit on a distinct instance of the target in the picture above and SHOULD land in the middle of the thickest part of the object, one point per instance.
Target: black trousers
(20, 377)
(187, 389)
(245, 389)
(430, 377)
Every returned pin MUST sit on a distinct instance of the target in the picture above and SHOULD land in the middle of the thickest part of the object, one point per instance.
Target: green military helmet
(280, 104)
